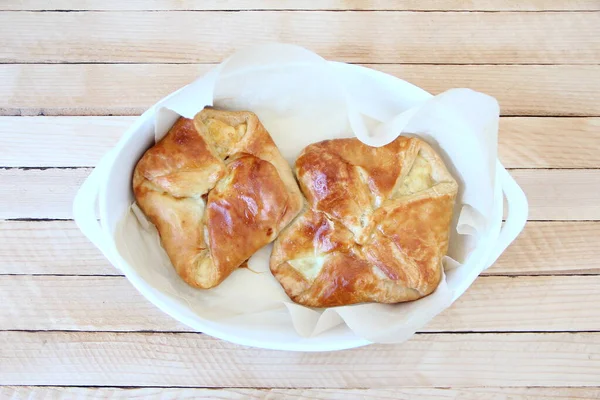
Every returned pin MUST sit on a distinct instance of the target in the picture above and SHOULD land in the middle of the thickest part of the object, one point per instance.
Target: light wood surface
(549, 142)
(191, 359)
(387, 5)
(110, 303)
(72, 326)
(124, 89)
(368, 37)
(405, 393)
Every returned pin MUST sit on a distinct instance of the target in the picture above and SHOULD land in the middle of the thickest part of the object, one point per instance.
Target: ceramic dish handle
(516, 216)
(84, 206)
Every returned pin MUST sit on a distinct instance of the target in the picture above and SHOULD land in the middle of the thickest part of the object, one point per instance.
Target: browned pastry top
(377, 225)
(217, 189)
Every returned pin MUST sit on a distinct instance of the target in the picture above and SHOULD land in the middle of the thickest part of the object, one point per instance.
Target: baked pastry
(377, 225)
(217, 189)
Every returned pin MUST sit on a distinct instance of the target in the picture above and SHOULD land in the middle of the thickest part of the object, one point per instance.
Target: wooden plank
(431, 37)
(561, 194)
(401, 5)
(49, 193)
(552, 248)
(536, 393)
(58, 141)
(524, 142)
(49, 247)
(520, 89)
(58, 247)
(90, 89)
(129, 89)
(186, 359)
(39, 193)
(492, 304)
(549, 142)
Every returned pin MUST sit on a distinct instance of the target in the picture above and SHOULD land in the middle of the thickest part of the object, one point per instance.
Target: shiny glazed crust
(217, 189)
(376, 228)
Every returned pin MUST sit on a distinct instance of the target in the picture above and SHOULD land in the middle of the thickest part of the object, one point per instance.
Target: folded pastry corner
(377, 226)
(217, 189)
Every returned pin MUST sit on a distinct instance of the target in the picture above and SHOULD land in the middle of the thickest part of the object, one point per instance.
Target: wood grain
(186, 359)
(39, 193)
(492, 304)
(552, 248)
(524, 142)
(31, 89)
(49, 247)
(48, 193)
(537, 393)
(549, 142)
(430, 5)
(561, 194)
(59, 247)
(549, 90)
(128, 89)
(58, 141)
(374, 37)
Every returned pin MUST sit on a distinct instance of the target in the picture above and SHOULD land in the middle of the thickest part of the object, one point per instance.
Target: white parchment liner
(301, 99)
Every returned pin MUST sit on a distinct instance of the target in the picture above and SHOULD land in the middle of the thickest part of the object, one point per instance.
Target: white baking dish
(108, 188)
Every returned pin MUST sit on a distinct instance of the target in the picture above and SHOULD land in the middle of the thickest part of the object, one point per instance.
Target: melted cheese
(224, 137)
(309, 267)
(240, 130)
(418, 179)
(218, 128)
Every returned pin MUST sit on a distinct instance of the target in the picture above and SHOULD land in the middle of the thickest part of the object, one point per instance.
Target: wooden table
(72, 82)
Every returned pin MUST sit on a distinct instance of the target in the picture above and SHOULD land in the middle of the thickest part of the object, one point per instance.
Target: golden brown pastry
(217, 189)
(377, 225)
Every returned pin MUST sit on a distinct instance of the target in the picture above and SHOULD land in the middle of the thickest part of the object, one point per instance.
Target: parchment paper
(301, 99)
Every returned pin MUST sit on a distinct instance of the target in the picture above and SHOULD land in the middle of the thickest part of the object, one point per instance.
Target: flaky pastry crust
(376, 228)
(217, 189)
